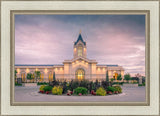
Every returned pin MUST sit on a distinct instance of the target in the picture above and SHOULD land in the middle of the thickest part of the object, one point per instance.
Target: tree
(119, 77)
(37, 75)
(54, 77)
(107, 79)
(112, 79)
(15, 74)
(29, 76)
(127, 77)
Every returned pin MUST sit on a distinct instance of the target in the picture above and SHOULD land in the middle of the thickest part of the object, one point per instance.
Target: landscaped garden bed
(80, 88)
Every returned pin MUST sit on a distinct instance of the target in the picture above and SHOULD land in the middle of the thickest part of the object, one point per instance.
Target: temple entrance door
(115, 76)
(80, 74)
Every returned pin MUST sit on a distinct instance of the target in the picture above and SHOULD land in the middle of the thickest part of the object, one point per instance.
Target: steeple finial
(80, 31)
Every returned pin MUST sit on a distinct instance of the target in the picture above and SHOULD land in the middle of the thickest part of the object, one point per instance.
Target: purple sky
(111, 39)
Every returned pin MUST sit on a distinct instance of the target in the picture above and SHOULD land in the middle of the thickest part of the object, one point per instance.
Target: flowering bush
(81, 90)
(41, 88)
(93, 93)
(47, 88)
(57, 90)
(47, 92)
(118, 88)
(100, 91)
(109, 92)
(112, 89)
(69, 92)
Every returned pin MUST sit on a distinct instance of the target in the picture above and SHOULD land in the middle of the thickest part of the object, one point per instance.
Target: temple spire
(80, 31)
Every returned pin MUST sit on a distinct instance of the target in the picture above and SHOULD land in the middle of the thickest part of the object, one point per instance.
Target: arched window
(41, 77)
(80, 74)
(50, 76)
(80, 50)
(23, 76)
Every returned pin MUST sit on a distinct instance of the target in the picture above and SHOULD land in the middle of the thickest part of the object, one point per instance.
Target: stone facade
(80, 67)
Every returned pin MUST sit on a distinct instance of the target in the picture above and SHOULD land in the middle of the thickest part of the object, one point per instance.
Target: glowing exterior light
(73, 63)
(77, 61)
(74, 49)
(46, 70)
(18, 70)
(36, 69)
(27, 70)
(86, 62)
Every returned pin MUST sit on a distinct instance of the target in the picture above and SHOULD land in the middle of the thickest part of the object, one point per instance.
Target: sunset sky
(111, 39)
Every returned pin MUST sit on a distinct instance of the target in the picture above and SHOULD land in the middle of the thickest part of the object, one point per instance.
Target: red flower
(42, 92)
(47, 92)
(68, 94)
(71, 92)
(92, 91)
(80, 94)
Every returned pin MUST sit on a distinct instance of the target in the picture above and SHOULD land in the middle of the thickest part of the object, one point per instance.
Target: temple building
(80, 67)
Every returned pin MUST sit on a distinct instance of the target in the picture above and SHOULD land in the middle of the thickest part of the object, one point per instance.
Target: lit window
(80, 51)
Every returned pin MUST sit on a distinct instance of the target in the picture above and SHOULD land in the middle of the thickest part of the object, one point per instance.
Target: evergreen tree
(54, 77)
(119, 77)
(107, 78)
(37, 75)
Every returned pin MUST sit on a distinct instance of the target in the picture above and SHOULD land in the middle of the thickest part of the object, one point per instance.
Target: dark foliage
(105, 84)
(84, 83)
(96, 85)
(135, 78)
(64, 85)
(74, 84)
(54, 83)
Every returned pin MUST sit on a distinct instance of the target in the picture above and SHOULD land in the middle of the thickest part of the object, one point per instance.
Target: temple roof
(112, 65)
(80, 39)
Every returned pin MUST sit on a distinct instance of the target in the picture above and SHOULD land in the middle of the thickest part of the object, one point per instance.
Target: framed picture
(80, 58)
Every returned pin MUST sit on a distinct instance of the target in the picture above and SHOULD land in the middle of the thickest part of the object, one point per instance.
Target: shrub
(127, 77)
(143, 84)
(74, 85)
(143, 79)
(112, 89)
(96, 85)
(81, 90)
(119, 77)
(18, 84)
(57, 90)
(42, 83)
(54, 83)
(42, 88)
(84, 83)
(118, 88)
(65, 88)
(101, 91)
(105, 84)
(47, 88)
(119, 83)
(112, 79)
